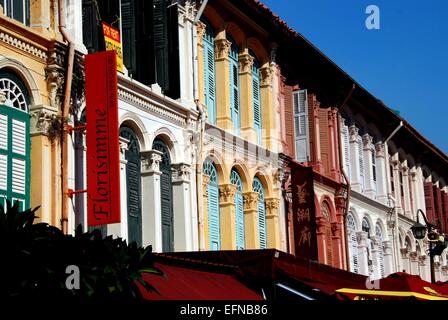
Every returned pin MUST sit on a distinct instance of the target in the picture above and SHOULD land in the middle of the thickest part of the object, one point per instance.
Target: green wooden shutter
(90, 26)
(14, 156)
(301, 125)
(209, 73)
(144, 43)
(235, 179)
(214, 228)
(256, 101)
(261, 206)
(133, 180)
(166, 193)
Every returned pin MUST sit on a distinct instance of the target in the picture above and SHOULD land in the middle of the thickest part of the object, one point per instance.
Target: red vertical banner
(304, 212)
(103, 166)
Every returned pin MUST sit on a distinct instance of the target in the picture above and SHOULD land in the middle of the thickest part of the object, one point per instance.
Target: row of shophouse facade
(217, 99)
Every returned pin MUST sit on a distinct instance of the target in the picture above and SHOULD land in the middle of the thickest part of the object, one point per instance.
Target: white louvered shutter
(301, 131)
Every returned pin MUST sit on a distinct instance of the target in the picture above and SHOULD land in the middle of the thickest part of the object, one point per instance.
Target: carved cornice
(250, 201)
(227, 193)
(181, 172)
(266, 75)
(151, 161)
(222, 49)
(24, 46)
(245, 62)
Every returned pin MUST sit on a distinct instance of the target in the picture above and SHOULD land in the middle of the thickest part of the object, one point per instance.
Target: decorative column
(369, 186)
(388, 258)
(269, 129)
(363, 255)
(414, 193)
(354, 158)
(200, 31)
(406, 265)
(183, 236)
(246, 90)
(437, 270)
(222, 64)
(228, 216)
(204, 225)
(151, 206)
(381, 173)
(406, 191)
(251, 220)
(424, 270)
(336, 237)
(272, 223)
(413, 258)
(445, 273)
(396, 180)
(376, 274)
(334, 147)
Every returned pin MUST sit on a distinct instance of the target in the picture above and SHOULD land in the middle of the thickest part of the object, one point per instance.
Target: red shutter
(445, 212)
(429, 201)
(289, 123)
(324, 138)
(438, 208)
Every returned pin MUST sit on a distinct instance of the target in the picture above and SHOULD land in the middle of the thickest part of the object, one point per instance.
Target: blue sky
(405, 63)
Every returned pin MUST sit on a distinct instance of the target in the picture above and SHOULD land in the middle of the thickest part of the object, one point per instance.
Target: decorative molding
(222, 49)
(151, 161)
(405, 252)
(272, 203)
(200, 32)
(361, 238)
(245, 62)
(124, 146)
(54, 74)
(205, 181)
(227, 193)
(414, 256)
(187, 13)
(331, 117)
(353, 133)
(23, 46)
(335, 229)
(422, 260)
(266, 76)
(181, 172)
(367, 142)
(387, 247)
(41, 119)
(250, 201)
(379, 150)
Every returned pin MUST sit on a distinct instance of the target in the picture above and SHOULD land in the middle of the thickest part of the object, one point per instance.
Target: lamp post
(437, 242)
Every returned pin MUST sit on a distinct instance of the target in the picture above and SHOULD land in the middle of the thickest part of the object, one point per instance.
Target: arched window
(234, 85)
(380, 261)
(353, 243)
(214, 220)
(327, 231)
(209, 72)
(256, 97)
(166, 196)
(14, 142)
(258, 187)
(235, 179)
(133, 185)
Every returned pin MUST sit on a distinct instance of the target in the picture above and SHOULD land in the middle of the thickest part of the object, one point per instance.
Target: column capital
(227, 193)
(367, 142)
(395, 164)
(42, 119)
(404, 252)
(361, 238)
(272, 203)
(353, 133)
(387, 247)
(266, 75)
(414, 256)
(422, 259)
(222, 49)
(151, 161)
(124, 146)
(200, 31)
(405, 170)
(180, 172)
(245, 62)
(379, 149)
(250, 200)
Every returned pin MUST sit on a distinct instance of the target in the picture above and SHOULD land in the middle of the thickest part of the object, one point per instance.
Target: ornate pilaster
(180, 172)
(41, 120)
(205, 181)
(387, 247)
(222, 49)
(200, 32)
(227, 194)
(353, 133)
(151, 161)
(422, 260)
(245, 62)
(367, 142)
(266, 75)
(272, 223)
(361, 238)
(250, 201)
(54, 74)
(124, 146)
(379, 150)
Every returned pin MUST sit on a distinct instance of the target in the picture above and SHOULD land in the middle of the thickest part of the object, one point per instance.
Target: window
(166, 196)
(209, 72)
(258, 187)
(380, 257)
(17, 9)
(14, 142)
(235, 179)
(256, 98)
(133, 184)
(301, 131)
(328, 234)
(234, 85)
(352, 243)
(214, 220)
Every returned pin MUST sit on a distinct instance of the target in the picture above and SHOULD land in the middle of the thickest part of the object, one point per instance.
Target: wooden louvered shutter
(354, 252)
(329, 244)
(300, 103)
(346, 146)
(144, 70)
(239, 221)
(256, 102)
(90, 26)
(173, 90)
(438, 208)
(128, 35)
(429, 201)
(262, 224)
(234, 94)
(213, 216)
(3, 158)
(361, 162)
(289, 122)
(167, 211)
(324, 138)
(161, 43)
(445, 212)
(209, 76)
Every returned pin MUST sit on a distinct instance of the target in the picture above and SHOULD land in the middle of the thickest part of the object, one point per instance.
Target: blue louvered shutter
(256, 101)
(301, 131)
(213, 206)
(235, 179)
(234, 86)
(258, 187)
(209, 74)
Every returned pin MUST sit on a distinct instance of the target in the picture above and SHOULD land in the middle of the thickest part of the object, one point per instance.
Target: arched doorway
(261, 206)
(214, 230)
(235, 179)
(166, 196)
(133, 184)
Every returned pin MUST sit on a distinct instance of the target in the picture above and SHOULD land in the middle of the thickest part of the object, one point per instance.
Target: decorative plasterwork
(222, 49)
(227, 193)
(151, 161)
(23, 46)
(54, 74)
(266, 75)
(124, 146)
(181, 172)
(187, 12)
(361, 237)
(250, 201)
(200, 31)
(367, 142)
(422, 260)
(353, 133)
(41, 119)
(379, 149)
(245, 62)
(272, 204)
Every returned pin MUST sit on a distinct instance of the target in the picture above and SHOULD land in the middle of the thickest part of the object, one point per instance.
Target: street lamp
(437, 242)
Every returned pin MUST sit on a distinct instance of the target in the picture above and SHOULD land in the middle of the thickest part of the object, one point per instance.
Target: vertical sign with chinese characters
(113, 42)
(103, 166)
(304, 214)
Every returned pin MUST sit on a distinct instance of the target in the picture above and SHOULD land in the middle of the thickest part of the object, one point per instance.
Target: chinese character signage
(304, 215)
(103, 167)
(112, 41)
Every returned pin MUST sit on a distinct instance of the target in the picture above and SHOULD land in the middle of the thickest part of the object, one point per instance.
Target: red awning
(187, 284)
